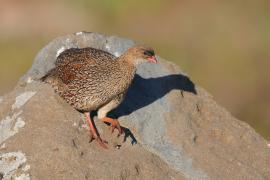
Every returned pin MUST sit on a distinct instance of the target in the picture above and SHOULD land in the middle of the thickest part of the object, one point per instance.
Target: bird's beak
(152, 59)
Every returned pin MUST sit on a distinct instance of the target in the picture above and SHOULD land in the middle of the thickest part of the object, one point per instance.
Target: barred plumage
(90, 79)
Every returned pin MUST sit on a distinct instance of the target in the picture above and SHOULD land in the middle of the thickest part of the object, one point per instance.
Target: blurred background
(223, 45)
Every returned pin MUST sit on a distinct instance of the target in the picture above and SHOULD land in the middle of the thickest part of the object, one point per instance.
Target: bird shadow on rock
(129, 134)
(144, 92)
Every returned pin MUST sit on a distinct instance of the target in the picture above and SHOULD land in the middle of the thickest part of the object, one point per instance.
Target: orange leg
(114, 123)
(93, 131)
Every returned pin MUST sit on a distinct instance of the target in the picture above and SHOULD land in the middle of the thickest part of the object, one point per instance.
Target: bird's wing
(69, 72)
(76, 54)
(69, 63)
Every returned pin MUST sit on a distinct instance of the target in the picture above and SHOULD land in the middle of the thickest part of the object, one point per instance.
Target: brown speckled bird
(90, 79)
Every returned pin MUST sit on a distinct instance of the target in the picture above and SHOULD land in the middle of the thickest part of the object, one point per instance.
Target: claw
(102, 142)
(91, 137)
(114, 124)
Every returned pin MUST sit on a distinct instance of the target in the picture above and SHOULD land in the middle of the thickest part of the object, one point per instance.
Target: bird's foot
(100, 141)
(114, 124)
(93, 132)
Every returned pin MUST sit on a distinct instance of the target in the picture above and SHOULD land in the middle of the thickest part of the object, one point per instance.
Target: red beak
(152, 59)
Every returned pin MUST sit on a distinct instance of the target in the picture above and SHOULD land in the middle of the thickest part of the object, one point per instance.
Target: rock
(173, 129)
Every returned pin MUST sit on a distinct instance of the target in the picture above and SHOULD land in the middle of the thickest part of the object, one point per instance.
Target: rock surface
(173, 129)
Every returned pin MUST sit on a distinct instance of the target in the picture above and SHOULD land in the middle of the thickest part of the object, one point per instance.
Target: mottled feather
(88, 78)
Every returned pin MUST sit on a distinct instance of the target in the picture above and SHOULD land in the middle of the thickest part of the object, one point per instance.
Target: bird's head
(139, 54)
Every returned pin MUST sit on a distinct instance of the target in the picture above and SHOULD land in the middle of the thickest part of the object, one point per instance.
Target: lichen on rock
(7, 128)
(11, 164)
(22, 99)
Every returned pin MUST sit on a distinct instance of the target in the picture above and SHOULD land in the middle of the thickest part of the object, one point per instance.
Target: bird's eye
(149, 53)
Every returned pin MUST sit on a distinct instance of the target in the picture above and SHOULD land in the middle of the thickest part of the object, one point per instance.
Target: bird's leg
(102, 114)
(93, 132)
(114, 123)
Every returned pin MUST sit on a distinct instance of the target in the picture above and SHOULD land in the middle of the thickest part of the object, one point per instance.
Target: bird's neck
(127, 66)
(129, 59)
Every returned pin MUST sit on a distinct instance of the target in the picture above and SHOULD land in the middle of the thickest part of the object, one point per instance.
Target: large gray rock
(173, 129)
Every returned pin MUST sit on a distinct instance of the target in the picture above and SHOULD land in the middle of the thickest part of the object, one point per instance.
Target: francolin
(90, 79)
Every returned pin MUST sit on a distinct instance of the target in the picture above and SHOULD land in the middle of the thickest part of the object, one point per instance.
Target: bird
(91, 79)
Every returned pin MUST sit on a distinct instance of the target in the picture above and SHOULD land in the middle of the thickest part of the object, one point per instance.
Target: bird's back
(88, 78)
(90, 54)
